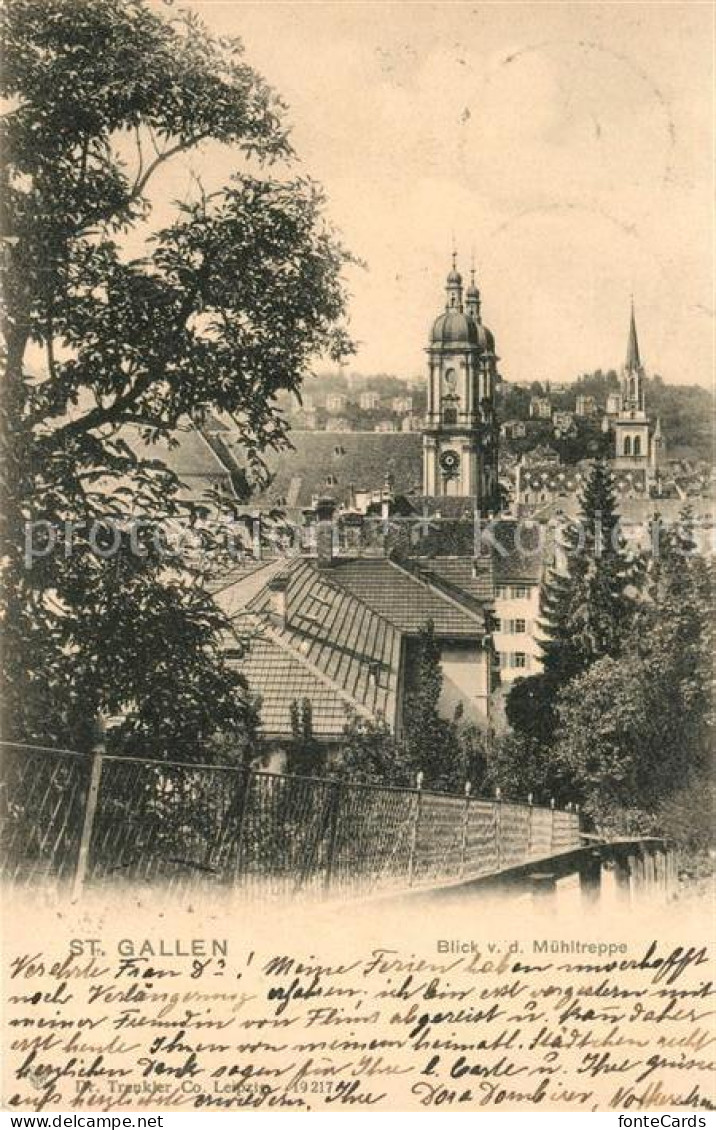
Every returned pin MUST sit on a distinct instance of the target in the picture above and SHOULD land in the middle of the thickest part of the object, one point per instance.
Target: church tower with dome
(461, 431)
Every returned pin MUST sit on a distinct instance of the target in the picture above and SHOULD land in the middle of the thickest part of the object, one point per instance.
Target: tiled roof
(329, 645)
(189, 457)
(238, 588)
(404, 598)
(508, 550)
(462, 575)
(280, 678)
(548, 476)
(445, 507)
(331, 462)
(566, 479)
(520, 550)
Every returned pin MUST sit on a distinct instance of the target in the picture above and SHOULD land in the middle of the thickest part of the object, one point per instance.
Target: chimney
(256, 532)
(326, 531)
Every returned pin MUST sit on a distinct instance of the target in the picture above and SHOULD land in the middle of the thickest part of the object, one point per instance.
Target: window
(498, 624)
(520, 592)
(502, 592)
(637, 445)
(519, 626)
(449, 414)
(627, 445)
(519, 659)
(331, 481)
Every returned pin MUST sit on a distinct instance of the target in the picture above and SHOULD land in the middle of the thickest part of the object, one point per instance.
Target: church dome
(453, 328)
(485, 338)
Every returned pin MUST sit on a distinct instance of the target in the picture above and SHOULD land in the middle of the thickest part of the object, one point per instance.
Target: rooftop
(334, 463)
(408, 599)
(334, 634)
(324, 643)
(187, 455)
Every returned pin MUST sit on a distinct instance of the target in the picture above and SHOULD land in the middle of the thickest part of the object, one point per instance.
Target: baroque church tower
(461, 432)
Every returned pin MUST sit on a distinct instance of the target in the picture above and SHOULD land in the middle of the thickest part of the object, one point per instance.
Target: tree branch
(143, 179)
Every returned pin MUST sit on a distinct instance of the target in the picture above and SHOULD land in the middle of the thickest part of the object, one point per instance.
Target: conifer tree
(584, 610)
(431, 742)
(636, 730)
(598, 609)
(306, 756)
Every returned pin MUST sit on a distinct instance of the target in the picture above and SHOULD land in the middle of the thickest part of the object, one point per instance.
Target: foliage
(520, 765)
(686, 414)
(686, 815)
(427, 735)
(448, 752)
(305, 756)
(637, 728)
(598, 608)
(369, 753)
(221, 309)
(584, 608)
(685, 411)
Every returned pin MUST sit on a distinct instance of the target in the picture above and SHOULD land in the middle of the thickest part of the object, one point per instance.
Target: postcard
(357, 605)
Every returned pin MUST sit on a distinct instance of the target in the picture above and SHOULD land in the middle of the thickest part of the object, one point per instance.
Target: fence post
(465, 818)
(97, 757)
(414, 830)
(334, 807)
(498, 827)
(245, 777)
(551, 834)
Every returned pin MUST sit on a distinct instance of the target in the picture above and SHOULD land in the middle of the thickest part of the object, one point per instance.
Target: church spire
(633, 361)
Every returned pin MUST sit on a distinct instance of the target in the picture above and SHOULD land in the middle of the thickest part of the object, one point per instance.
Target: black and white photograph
(357, 561)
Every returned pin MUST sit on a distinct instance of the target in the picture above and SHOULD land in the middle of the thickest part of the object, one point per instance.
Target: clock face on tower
(450, 462)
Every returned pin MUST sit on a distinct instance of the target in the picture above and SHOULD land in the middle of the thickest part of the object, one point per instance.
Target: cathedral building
(461, 431)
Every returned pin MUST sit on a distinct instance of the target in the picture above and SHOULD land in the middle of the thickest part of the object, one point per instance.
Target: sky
(568, 147)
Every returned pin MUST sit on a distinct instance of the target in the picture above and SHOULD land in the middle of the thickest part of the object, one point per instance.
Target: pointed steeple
(633, 361)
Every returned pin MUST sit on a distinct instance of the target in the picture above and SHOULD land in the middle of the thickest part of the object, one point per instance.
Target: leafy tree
(221, 309)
